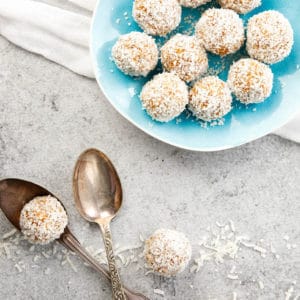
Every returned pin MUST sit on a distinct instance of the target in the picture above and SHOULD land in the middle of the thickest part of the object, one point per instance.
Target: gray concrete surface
(49, 115)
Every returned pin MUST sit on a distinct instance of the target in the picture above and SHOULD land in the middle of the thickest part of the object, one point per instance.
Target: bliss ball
(43, 220)
(164, 97)
(250, 80)
(270, 37)
(221, 31)
(167, 252)
(193, 3)
(157, 17)
(240, 6)
(135, 54)
(185, 56)
(210, 98)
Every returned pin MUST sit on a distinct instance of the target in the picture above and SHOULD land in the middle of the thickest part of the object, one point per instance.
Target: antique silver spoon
(15, 193)
(98, 198)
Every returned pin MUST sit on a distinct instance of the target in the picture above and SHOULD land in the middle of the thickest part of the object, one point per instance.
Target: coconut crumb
(9, 234)
(289, 293)
(159, 292)
(234, 296)
(261, 285)
(232, 276)
(69, 261)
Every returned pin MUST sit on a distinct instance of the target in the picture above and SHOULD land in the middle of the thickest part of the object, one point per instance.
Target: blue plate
(244, 124)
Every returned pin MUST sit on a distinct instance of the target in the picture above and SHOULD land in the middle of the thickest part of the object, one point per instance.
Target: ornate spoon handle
(70, 242)
(117, 289)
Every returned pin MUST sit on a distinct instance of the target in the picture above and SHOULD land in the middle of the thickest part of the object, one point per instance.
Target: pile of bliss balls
(269, 40)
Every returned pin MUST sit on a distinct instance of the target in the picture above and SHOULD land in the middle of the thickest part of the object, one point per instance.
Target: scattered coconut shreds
(9, 234)
(159, 292)
(47, 271)
(18, 267)
(45, 254)
(128, 248)
(234, 296)
(232, 226)
(257, 248)
(149, 272)
(223, 243)
(7, 251)
(69, 261)
(272, 249)
(261, 284)
(36, 258)
(289, 293)
(219, 224)
(220, 243)
(233, 276)
(142, 239)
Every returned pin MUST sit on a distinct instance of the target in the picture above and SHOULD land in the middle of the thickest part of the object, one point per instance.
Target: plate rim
(196, 149)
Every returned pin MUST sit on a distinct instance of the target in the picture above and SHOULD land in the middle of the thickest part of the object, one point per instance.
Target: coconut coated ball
(135, 54)
(185, 56)
(164, 97)
(193, 3)
(221, 31)
(157, 17)
(250, 80)
(43, 219)
(167, 252)
(270, 37)
(240, 6)
(210, 98)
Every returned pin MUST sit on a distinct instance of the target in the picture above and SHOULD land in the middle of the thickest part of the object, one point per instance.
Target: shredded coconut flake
(159, 292)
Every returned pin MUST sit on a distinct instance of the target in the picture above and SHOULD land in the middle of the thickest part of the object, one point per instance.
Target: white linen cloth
(59, 30)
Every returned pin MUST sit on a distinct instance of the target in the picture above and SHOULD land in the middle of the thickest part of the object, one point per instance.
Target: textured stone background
(49, 115)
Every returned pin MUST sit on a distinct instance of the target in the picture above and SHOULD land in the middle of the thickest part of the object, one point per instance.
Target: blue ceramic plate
(244, 124)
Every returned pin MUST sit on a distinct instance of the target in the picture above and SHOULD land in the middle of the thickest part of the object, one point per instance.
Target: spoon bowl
(14, 194)
(97, 187)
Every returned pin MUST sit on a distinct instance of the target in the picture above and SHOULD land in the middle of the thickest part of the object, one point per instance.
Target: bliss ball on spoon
(185, 56)
(167, 252)
(240, 6)
(164, 97)
(250, 80)
(221, 31)
(270, 37)
(157, 17)
(193, 3)
(43, 220)
(210, 98)
(135, 54)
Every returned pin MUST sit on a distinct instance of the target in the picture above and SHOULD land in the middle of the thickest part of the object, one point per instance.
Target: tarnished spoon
(98, 197)
(15, 193)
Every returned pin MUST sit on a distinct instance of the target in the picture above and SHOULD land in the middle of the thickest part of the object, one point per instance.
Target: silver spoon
(15, 193)
(98, 197)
